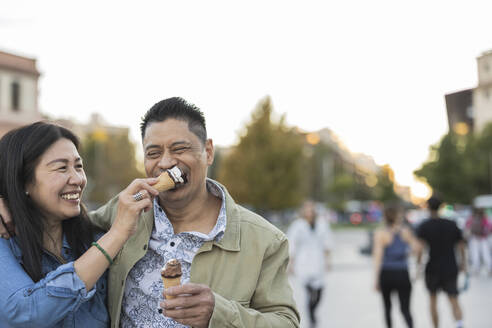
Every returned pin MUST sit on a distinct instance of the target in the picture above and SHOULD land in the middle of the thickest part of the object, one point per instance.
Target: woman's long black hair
(20, 152)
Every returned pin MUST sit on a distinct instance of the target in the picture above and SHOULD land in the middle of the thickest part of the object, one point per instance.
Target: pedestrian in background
(310, 244)
(392, 245)
(441, 237)
(478, 229)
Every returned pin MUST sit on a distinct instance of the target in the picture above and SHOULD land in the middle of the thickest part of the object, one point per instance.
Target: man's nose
(167, 161)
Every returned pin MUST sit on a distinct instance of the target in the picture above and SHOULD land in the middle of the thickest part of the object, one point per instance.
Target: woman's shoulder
(382, 234)
(8, 247)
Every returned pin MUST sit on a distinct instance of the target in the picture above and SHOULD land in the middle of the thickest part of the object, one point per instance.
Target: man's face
(171, 143)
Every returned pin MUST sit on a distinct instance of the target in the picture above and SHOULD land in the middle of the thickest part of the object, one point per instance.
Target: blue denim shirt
(58, 300)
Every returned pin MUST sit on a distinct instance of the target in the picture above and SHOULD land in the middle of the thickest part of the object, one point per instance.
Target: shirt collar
(217, 231)
(16, 250)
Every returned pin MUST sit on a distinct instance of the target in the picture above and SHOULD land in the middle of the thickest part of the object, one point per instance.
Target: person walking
(441, 237)
(310, 244)
(392, 243)
(478, 229)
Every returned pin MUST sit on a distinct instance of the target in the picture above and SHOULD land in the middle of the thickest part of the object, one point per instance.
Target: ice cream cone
(165, 182)
(170, 282)
(171, 275)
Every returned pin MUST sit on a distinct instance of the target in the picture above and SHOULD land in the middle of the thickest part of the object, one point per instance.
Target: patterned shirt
(143, 290)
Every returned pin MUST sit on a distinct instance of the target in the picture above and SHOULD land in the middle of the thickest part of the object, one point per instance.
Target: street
(350, 301)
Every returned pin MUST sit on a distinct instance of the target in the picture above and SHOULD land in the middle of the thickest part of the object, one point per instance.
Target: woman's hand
(377, 287)
(130, 207)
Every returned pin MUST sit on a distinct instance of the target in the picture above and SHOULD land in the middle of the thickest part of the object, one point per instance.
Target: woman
(53, 273)
(390, 252)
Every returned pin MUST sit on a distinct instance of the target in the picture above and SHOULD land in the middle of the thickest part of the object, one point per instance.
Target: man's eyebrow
(180, 143)
(151, 146)
(174, 144)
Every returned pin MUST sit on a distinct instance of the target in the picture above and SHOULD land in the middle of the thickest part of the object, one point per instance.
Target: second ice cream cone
(171, 275)
(170, 282)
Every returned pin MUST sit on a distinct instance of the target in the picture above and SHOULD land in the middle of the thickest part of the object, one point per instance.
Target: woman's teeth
(70, 196)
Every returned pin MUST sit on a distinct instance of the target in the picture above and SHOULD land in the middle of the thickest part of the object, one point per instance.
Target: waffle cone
(165, 182)
(170, 282)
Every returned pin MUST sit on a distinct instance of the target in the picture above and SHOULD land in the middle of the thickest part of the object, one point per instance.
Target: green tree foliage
(264, 169)
(341, 190)
(320, 166)
(110, 165)
(385, 188)
(450, 168)
(478, 162)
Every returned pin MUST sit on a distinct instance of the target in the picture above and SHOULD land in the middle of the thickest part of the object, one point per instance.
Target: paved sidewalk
(349, 299)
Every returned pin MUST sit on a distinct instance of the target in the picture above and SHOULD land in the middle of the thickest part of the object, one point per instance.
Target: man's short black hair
(180, 109)
(434, 202)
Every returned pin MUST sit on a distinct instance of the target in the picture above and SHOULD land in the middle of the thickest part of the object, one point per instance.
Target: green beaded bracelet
(110, 260)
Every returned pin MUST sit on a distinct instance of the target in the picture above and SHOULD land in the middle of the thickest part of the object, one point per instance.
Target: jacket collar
(232, 236)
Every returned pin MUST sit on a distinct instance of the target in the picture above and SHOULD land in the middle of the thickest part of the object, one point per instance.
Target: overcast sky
(375, 72)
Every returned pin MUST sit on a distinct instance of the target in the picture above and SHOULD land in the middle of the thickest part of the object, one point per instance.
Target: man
(233, 261)
(442, 236)
(310, 244)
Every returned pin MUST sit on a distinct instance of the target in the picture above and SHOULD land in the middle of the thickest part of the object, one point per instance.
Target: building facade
(18, 91)
(471, 109)
(482, 94)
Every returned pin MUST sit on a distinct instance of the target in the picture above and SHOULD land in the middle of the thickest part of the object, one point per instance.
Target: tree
(264, 169)
(478, 161)
(109, 163)
(341, 190)
(385, 187)
(447, 170)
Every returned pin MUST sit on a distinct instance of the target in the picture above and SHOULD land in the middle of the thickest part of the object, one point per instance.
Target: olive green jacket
(246, 269)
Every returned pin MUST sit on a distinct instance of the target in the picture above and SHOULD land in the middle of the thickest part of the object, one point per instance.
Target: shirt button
(172, 244)
(122, 282)
(145, 247)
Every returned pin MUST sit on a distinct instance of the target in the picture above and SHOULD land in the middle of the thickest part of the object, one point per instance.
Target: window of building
(15, 96)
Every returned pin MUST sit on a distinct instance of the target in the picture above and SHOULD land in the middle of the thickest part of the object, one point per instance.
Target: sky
(374, 72)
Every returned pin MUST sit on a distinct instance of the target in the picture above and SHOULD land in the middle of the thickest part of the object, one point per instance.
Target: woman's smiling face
(59, 180)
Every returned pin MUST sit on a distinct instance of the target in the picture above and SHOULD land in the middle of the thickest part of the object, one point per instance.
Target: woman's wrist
(118, 235)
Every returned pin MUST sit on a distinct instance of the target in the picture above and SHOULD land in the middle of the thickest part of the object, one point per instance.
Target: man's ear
(209, 149)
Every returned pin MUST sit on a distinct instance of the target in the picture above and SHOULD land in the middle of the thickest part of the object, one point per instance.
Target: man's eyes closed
(180, 149)
(153, 154)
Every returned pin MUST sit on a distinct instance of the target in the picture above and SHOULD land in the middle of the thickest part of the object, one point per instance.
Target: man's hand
(7, 228)
(193, 305)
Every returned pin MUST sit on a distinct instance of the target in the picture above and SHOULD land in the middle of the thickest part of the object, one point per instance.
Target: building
(471, 109)
(459, 106)
(482, 94)
(19, 100)
(18, 91)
